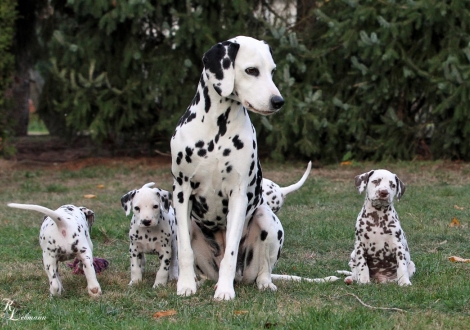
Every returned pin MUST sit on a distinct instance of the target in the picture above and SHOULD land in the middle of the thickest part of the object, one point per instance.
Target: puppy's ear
(400, 187)
(219, 62)
(165, 199)
(362, 180)
(126, 201)
(90, 216)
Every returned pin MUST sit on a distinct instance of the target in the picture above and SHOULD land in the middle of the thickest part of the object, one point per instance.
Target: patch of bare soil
(48, 152)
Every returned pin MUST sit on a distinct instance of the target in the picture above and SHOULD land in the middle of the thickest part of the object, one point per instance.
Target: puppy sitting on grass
(381, 251)
(152, 231)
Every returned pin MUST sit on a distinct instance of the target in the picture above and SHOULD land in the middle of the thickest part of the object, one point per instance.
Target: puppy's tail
(299, 279)
(295, 186)
(44, 210)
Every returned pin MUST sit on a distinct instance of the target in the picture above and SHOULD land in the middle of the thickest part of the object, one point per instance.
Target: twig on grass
(372, 307)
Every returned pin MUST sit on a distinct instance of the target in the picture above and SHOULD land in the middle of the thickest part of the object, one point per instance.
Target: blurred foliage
(362, 79)
(7, 23)
(376, 80)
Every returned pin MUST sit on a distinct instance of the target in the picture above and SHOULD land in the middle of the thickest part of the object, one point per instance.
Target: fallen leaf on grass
(89, 196)
(100, 186)
(240, 312)
(347, 163)
(458, 259)
(459, 207)
(160, 314)
(454, 223)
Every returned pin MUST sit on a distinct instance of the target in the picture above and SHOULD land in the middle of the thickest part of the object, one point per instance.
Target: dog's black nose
(277, 102)
(146, 222)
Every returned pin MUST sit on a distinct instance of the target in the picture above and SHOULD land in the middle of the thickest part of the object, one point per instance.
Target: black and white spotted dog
(64, 235)
(152, 231)
(275, 195)
(381, 251)
(234, 234)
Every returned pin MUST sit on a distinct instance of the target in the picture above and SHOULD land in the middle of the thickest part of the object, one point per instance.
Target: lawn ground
(319, 227)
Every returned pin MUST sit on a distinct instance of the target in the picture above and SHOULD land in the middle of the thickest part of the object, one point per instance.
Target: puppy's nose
(146, 222)
(277, 102)
(383, 193)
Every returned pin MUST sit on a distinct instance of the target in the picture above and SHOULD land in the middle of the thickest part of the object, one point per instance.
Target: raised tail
(295, 186)
(299, 279)
(54, 215)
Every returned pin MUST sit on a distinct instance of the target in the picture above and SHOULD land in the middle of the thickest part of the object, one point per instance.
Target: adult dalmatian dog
(234, 235)
(152, 231)
(65, 234)
(381, 250)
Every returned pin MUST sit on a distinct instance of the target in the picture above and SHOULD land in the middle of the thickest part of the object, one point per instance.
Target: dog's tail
(54, 215)
(295, 186)
(299, 279)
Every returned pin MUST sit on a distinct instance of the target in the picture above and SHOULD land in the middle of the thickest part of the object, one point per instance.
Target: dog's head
(89, 215)
(147, 204)
(242, 69)
(381, 187)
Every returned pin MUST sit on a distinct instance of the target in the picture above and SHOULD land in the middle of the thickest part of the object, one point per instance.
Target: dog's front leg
(235, 222)
(137, 265)
(361, 269)
(186, 285)
(402, 266)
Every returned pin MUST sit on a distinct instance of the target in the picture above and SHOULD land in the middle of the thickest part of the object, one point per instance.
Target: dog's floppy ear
(219, 62)
(165, 199)
(126, 201)
(90, 216)
(361, 181)
(400, 187)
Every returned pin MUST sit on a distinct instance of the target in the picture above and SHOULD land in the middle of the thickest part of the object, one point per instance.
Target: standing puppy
(152, 231)
(381, 251)
(65, 234)
(217, 175)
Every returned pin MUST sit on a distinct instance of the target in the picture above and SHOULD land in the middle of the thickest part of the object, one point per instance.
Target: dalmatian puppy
(152, 231)
(226, 230)
(381, 251)
(275, 196)
(64, 235)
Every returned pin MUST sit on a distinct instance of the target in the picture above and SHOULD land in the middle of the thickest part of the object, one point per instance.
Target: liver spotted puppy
(152, 231)
(381, 251)
(64, 235)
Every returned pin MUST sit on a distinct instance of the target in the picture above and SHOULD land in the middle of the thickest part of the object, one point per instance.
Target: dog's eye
(375, 182)
(155, 206)
(136, 208)
(252, 72)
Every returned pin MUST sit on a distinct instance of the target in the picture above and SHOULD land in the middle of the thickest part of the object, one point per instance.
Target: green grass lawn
(319, 226)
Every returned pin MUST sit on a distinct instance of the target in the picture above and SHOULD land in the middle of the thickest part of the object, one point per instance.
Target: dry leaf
(240, 312)
(459, 207)
(458, 259)
(100, 186)
(89, 196)
(158, 315)
(455, 223)
(347, 163)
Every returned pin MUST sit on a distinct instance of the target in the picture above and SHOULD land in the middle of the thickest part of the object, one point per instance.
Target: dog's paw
(268, 285)
(94, 292)
(404, 282)
(224, 294)
(186, 289)
(159, 283)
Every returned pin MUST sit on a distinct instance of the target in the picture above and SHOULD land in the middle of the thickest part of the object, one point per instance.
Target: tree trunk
(24, 44)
